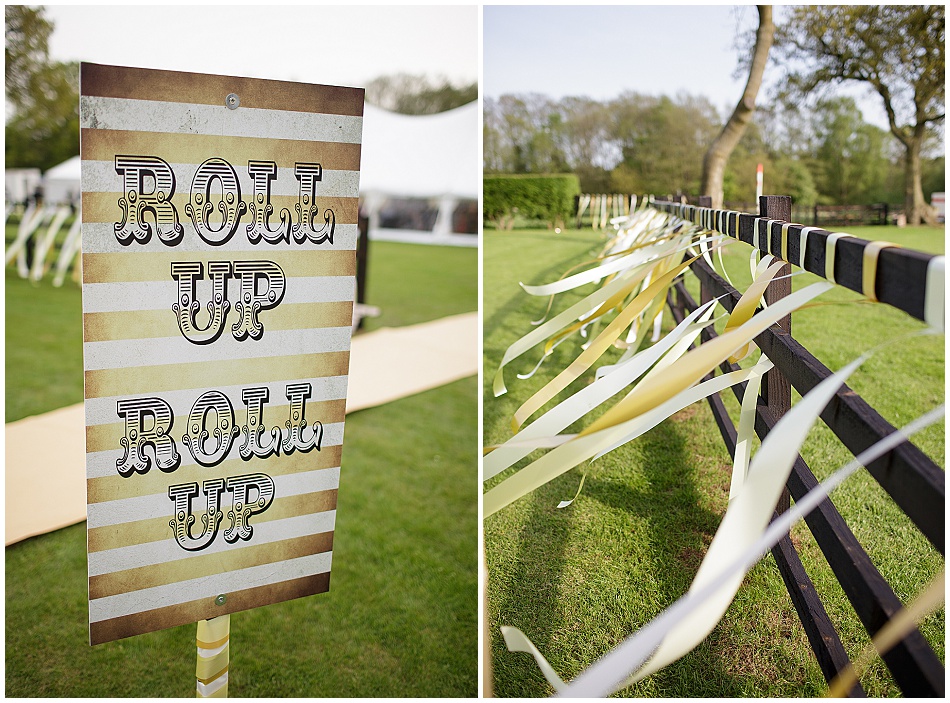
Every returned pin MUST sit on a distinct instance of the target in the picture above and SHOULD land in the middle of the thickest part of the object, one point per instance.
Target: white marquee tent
(61, 183)
(20, 183)
(433, 157)
(421, 156)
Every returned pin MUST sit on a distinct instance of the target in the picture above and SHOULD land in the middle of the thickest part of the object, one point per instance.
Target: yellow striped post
(213, 655)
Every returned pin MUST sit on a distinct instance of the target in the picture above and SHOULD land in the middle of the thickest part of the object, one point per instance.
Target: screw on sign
(219, 260)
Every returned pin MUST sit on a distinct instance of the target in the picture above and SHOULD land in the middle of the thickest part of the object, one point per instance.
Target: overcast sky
(601, 51)
(313, 44)
(597, 51)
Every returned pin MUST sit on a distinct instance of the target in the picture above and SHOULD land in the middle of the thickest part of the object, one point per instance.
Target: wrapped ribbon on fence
(803, 244)
(869, 268)
(934, 310)
(910, 293)
(830, 242)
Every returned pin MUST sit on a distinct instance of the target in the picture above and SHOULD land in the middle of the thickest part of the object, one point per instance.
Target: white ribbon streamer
(558, 322)
(607, 674)
(585, 400)
(637, 258)
(565, 457)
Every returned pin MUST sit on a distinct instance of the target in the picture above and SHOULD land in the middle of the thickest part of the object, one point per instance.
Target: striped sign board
(219, 230)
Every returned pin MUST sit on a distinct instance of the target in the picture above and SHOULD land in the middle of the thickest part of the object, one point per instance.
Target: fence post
(704, 295)
(362, 261)
(776, 390)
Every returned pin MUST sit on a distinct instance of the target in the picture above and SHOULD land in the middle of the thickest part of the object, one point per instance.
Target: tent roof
(421, 155)
(67, 171)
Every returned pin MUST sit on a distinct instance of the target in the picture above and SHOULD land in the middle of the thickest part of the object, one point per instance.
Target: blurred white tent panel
(20, 184)
(61, 183)
(431, 158)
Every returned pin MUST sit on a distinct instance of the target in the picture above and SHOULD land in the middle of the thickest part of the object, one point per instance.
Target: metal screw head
(232, 101)
(221, 600)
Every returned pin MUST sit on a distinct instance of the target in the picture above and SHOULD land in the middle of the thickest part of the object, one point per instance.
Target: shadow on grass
(510, 308)
(541, 543)
(680, 531)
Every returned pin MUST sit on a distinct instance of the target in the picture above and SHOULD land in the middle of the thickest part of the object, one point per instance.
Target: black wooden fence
(909, 476)
(844, 215)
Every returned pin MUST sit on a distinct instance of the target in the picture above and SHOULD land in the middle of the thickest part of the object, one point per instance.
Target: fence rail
(909, 280)
(876, 214)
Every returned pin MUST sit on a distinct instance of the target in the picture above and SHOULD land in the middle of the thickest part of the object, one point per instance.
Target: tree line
(43, 130)
(640, 143)
(813, 143)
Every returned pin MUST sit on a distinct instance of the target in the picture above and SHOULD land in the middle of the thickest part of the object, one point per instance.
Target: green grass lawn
(579, 580)
(409, 283)
(413, 283)
(401, 615)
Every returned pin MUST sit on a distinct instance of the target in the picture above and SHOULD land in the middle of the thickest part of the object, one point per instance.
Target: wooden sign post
(219, 230)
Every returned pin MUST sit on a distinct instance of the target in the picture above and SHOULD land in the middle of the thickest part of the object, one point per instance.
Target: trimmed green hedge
(544, 197)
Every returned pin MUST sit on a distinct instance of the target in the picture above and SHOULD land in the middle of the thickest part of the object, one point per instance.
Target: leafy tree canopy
(898, 50)
(43, 130)
(418, 94)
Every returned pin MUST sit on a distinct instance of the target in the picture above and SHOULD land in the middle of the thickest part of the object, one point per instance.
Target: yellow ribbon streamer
(568, 455)
(606, 254)
(697, 363)
(592, 275)
(554, 324)
(672, 346)
(747, 305)
(614, 301)
(896, 629)
(596, 348)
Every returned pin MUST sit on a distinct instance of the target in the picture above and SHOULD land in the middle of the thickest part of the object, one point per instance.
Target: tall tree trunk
(714, 163)
(915, 206)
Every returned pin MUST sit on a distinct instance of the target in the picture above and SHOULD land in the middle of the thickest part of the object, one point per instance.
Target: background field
(579, 580)
(401, 616)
